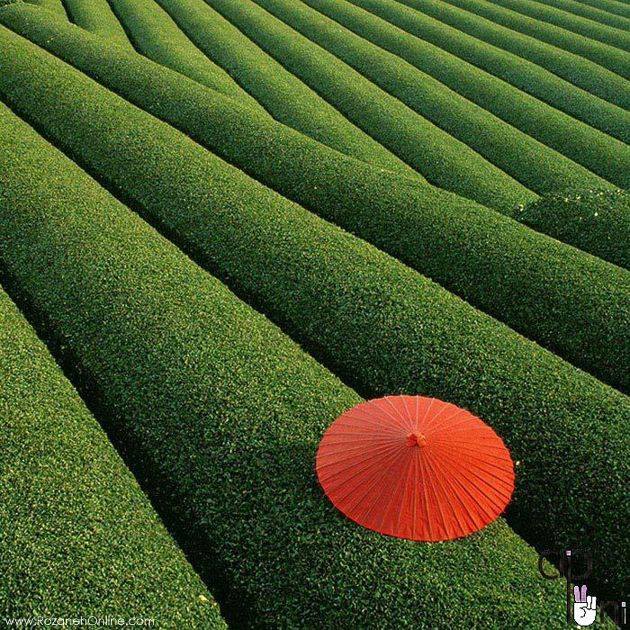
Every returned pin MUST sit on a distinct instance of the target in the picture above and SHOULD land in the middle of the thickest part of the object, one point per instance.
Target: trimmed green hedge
(581, 72)
(378, 323)
(281, 93)
(55, 6)
(519, 155)
(512, 69)
(444, 161)
(576, 24)
(156, 35)
(227, 412)
(96, 16)
(597, 14)
(612, 6)
(606, 156)
(607, 56)
(77, 535)
(550, 292)
(596, 221)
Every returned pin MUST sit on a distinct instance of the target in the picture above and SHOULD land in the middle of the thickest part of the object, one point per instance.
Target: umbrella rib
(394, 415)
(353, 463)
(395, 495)
(475, 466)
(438, 480)
(503, 463)
(466, 418)
(425, 463)
(371, 476)
(492, 499)
(364, 421)
(405, 485)
(414, 511)
(482, 508)
(472, 524)
(386, 470)
(428, 421)
(381, 448)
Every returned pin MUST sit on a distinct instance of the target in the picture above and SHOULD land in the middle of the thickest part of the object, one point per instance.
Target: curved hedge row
(55, 6)
(156, 36)
(609, 57)
(570, 22)
(96, 16)
(550, 292)
(442, 159)
(512, 69)
(228, 412)
(377, 322)
(612, 6)
(596, 221)
(519, 155)
(578, 70)
(595, 13)
(281, 93)
(606, 156)
(74, 525)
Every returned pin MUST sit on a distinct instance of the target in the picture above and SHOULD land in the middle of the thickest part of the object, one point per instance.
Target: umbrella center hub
(416, 439)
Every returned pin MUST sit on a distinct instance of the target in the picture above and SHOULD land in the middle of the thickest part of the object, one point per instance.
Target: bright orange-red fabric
(416, 468)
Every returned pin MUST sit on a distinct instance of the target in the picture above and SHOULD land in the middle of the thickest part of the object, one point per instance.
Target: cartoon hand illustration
(584, 608)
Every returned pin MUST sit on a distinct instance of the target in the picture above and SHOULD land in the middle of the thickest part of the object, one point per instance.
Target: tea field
(224, 223)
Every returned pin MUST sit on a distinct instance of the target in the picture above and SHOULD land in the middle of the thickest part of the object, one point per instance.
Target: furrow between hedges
(74, 524)
(614, 59)
(528, 161)
(442, 159)
(596, 221)
(378, 323)
(55, 6)
(156, 36)
(227, 412)
(581, 72)
(590, 12)
(612, 6)
(281, 93)
(96, 16)
(566, 22)
(597, 151)
(514, 70)
(550, 292)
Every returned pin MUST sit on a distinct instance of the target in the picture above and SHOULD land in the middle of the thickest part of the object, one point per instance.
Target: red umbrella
(416, 468)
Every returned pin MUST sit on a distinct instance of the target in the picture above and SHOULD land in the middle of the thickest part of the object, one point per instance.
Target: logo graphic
(585, 606)
(576, 566)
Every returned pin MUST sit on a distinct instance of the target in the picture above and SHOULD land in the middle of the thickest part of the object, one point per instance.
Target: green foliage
(597, 221)
(444, 161)
(281, 93)
(227, 411)
(55, 6)
(602, 54)
(96, 16)
(156, 35)
(526, 160)
(549, 292)
(612, 6)
(514, 70)
(569, 21)
(379, 324)
(597, 151)
(77, 535)
(581, 72)
(597, 14)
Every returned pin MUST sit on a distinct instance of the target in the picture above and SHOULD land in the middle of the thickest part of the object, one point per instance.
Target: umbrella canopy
(416, 468)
